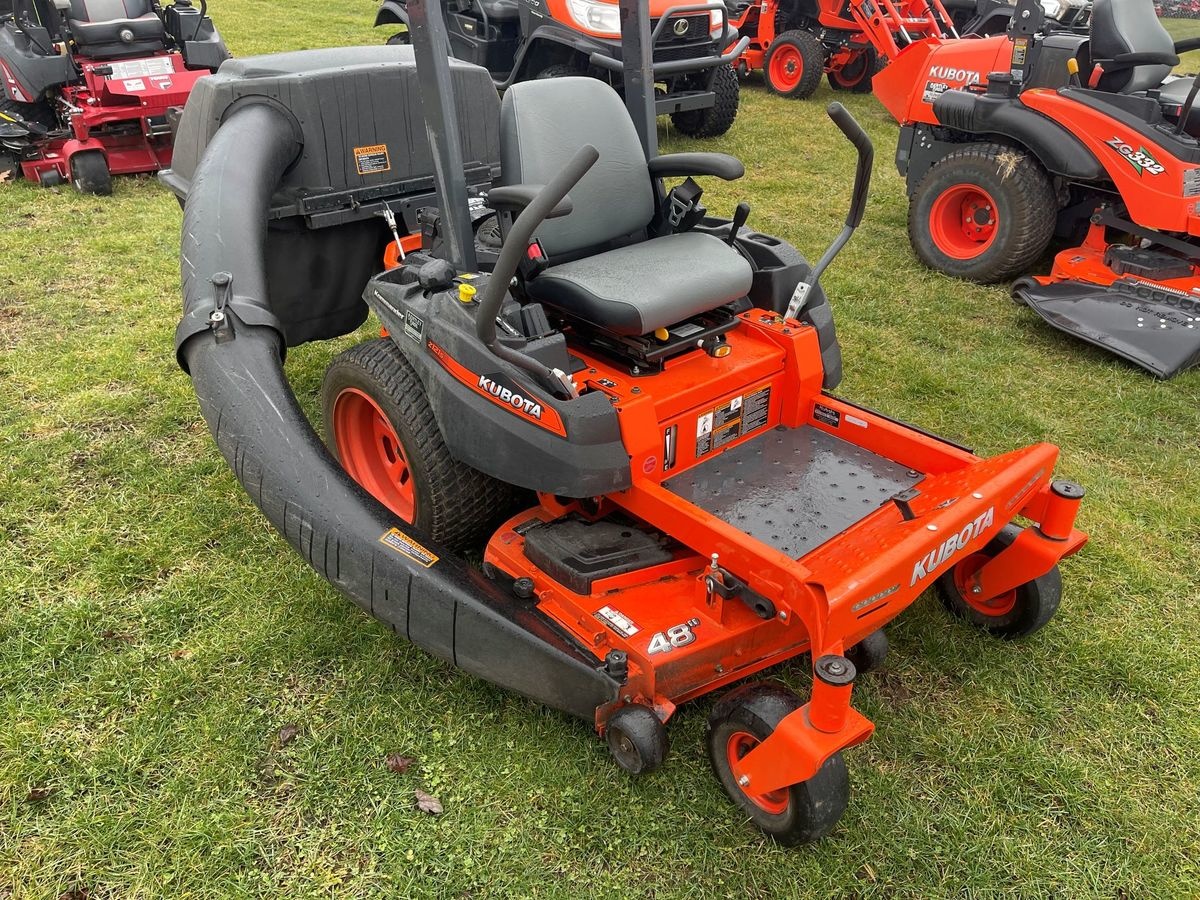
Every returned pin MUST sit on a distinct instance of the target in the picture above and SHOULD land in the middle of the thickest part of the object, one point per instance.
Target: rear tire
(379, 424)
(89, 173)
(1017, 613)
(985, 213)
(858, 74)
(798, 814)
(400, 39)
(794, 65)
(718, 118)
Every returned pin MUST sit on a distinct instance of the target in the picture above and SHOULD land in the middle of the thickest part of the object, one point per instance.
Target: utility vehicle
(518, 40)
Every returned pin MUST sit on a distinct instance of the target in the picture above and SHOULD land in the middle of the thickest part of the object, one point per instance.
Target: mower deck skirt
(793, 489)
(1156, 329)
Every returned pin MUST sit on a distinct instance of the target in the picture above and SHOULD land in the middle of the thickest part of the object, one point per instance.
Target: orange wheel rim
(964, 575)
(738, 745)
(963, 221)
(787, 67)
(852, 70)
(372, 453)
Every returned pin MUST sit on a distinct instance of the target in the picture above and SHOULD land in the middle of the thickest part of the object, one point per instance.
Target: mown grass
(156, 634)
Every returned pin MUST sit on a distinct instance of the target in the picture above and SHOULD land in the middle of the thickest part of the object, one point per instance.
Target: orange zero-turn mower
(1008, 142)
(625, 413)
(795, 42)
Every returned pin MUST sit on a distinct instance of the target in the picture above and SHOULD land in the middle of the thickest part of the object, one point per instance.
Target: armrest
(1129, 60)
(1187, 44)
(681, 165)
(515, 197)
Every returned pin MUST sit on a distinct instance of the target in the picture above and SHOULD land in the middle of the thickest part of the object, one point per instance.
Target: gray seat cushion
(1129, 26)
(635, 289)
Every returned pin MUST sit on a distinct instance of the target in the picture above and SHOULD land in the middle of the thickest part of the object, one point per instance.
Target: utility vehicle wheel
(857, 74)
(793, 815)
(984, 212)
(89, 173)
(1017, 613)
(49, 178)
(400, 39)
(381, 427)
(794, 65)
(637, 739)
(869, 653)
(718, 118)
(559, 70)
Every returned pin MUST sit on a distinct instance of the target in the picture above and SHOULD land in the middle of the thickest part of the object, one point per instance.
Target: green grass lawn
(156, 634)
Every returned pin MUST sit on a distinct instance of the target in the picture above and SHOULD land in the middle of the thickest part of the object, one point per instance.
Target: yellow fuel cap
(662, 334)
(466, 292)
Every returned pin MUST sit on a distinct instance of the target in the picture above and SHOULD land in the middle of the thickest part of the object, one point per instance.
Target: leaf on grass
(181, 653)
(39, 792)
(398, 762)
(288, 733)
(428, 803)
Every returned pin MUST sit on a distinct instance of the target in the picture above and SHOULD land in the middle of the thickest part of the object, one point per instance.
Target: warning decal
(406, 546)
(739, 416)
(372, 159)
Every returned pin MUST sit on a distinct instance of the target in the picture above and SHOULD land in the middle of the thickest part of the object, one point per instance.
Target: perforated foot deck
(793, 489)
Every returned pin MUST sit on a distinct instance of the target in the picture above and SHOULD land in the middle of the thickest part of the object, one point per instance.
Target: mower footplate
(793, 489)
(1154, 327)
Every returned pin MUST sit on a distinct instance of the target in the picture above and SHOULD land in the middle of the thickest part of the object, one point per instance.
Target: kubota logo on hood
(955, 76)
(1140, 159)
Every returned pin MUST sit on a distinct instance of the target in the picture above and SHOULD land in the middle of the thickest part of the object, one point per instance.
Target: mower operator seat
(1129, 26)
(105, 29)
(603, 269)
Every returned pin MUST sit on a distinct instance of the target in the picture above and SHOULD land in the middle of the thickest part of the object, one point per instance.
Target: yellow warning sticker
(403, 544)
(372, 159)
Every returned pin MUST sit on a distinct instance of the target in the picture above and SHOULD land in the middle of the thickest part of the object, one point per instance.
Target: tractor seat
(105, 29)
(1129, 26)
(603, 268)
(500, 10)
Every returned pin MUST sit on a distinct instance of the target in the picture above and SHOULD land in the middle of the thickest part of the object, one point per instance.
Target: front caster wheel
(89, 173)
(798, 814)
(1013, 614)
(869, 653)
(637, 739)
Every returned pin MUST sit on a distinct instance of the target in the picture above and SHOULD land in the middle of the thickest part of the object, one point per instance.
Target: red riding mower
(88, 86)
(1011, 140)
(624, 412)
(518, 40)
(794, 42)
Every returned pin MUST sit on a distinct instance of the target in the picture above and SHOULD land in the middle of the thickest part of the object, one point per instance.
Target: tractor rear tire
(89, 173)
(794, 65)
(560, 70)
(857, 75)
(984, 212)
(379, 424)
(718, 118)
(1014, 614)
(798, 814)
(400, 38)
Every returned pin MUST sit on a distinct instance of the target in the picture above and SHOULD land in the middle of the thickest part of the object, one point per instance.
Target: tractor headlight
(596, 16)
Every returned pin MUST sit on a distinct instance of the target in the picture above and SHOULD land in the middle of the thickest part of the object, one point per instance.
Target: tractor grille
(697, 29)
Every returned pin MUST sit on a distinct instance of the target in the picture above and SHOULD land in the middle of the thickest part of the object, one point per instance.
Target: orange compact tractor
(1009, 141)
(795, 42)
(622, 414)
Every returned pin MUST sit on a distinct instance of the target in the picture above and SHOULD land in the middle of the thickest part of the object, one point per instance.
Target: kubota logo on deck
(1140, 159)
(933, 560)
(515, 400)
(959, 76)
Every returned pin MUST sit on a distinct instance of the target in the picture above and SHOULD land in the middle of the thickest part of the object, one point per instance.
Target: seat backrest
(107, 10)
(542, 125)
(1129, 26)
